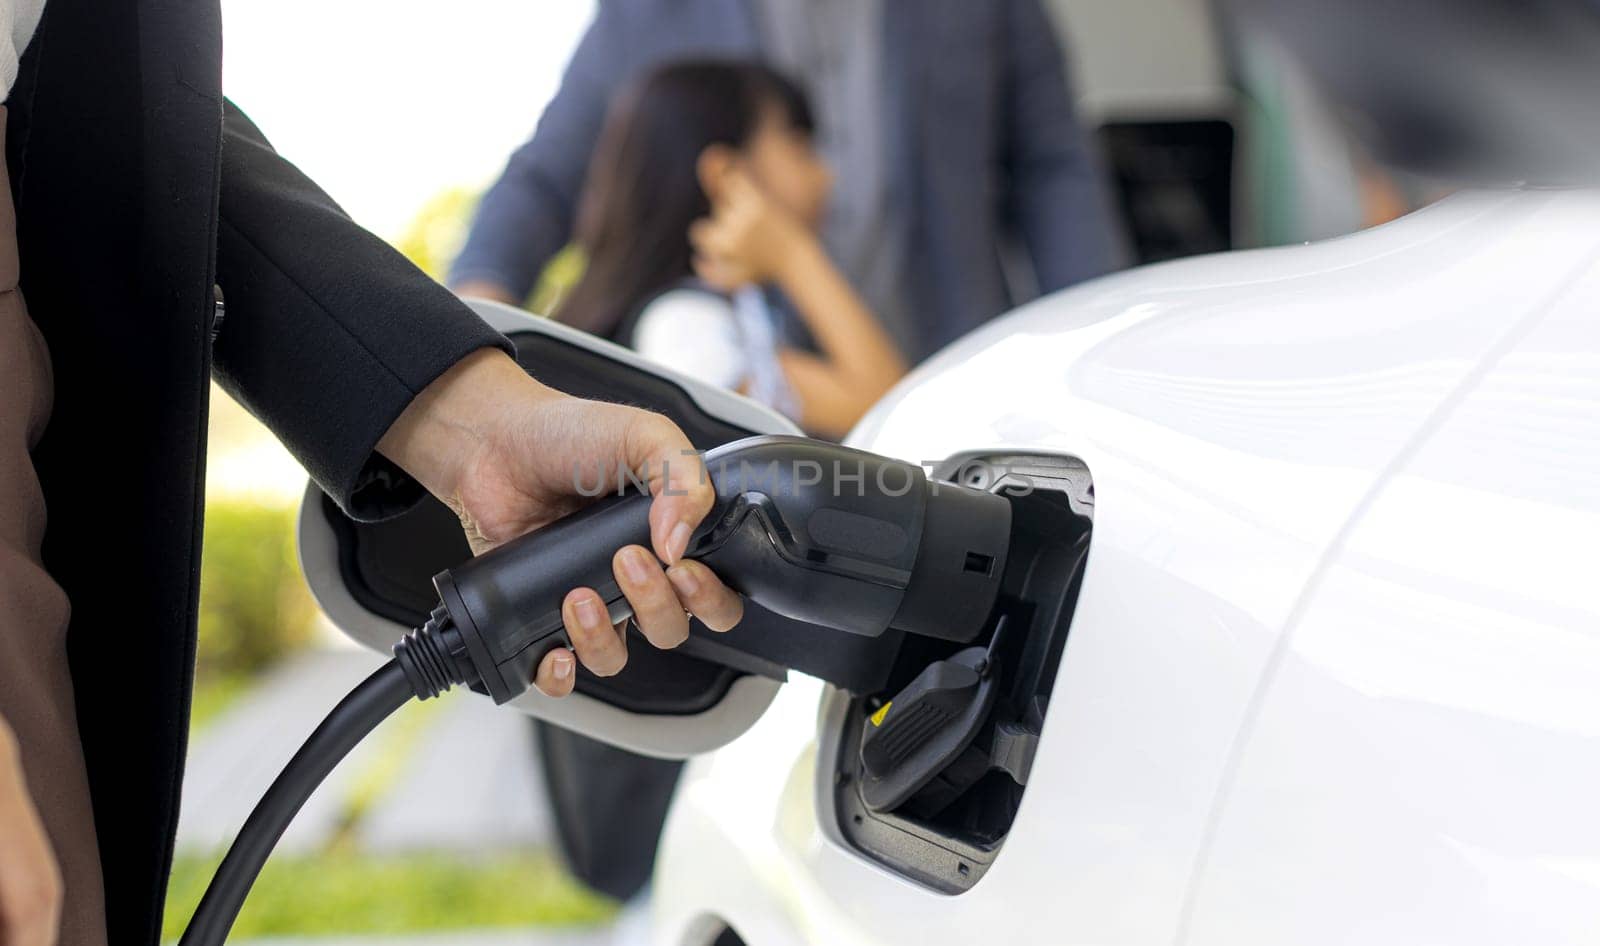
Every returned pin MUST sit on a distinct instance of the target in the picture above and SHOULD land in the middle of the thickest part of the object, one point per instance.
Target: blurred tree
(435, 235)
(254, 606)
(558, 278)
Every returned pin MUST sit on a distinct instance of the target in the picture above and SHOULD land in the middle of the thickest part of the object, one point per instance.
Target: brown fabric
(35, 687)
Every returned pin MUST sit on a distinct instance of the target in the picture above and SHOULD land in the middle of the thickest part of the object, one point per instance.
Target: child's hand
(747, 239)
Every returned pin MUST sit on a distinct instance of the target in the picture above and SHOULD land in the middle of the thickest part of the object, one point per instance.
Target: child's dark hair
(643, 189)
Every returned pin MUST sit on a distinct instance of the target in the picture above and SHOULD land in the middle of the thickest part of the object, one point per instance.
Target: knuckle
(722, 610)
(724, 621)
(665, 430)
(649, 422)
(657, 608)
(668, 632)
(659, 614)
(610, 663)
(619, 567)
(594, 641)
(663, 609)
(603, 652)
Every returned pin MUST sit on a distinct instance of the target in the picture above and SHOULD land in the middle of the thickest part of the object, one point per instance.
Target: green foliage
(558, 278)
(435, 235)
(254, 606)
(347, 893)
(398, 743)
(214, 693)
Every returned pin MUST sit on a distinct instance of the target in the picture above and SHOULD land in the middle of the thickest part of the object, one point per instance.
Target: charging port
(927, 774)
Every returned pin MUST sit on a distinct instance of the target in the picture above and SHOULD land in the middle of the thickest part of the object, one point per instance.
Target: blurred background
(405, 113)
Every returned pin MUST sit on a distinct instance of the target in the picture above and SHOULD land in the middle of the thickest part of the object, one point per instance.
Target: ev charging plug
(813, 531)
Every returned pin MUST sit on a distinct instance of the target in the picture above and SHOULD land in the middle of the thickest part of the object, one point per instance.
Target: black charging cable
(420, 669)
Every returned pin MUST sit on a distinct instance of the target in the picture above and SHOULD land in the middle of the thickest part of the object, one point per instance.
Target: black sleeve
(329, 332)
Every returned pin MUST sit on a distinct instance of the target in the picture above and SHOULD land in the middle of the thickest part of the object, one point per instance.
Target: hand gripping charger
(813, 531)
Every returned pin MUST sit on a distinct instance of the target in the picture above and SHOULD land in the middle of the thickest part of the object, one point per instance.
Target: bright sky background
(387, 102)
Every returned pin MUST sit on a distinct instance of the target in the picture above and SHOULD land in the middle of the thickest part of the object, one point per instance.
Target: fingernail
(684, 580)
(588, 613)
(678, 542)
(563, 665)
(635, 564)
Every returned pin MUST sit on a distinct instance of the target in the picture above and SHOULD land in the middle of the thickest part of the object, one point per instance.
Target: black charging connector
(813, 531)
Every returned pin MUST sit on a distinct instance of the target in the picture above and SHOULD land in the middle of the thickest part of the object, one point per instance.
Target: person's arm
(748, 239)
(1056, 195)
(384, 384)
(329, 332)
(859, 362)
(528, 214)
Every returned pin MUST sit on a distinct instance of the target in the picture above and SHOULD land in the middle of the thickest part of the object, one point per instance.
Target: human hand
(30, 881)
(508, 454)
(747, 239)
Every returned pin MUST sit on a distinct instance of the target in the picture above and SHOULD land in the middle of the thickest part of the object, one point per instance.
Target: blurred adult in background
(949, 124)
(706, 190)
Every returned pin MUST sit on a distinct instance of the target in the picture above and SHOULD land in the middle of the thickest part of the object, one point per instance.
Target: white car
(1305, 616)
(1333, 675)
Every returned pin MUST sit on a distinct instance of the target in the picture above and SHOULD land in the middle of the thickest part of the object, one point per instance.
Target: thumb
(680, 489)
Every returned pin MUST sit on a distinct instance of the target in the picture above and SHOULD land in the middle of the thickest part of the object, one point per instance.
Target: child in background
(704, 196)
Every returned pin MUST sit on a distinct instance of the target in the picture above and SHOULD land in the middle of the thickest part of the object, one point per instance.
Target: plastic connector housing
(810, 530)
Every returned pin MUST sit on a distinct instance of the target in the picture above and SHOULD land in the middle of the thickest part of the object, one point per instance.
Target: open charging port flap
(926, 775)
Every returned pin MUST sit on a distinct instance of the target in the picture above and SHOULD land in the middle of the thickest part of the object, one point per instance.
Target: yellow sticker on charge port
(877, 718)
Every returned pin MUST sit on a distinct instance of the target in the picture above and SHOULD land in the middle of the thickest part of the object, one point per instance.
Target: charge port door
(927, 772)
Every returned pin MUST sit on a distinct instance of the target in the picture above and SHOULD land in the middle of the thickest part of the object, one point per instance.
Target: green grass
(349, 893)
(343, 891)
(399, 738)
(214, 693)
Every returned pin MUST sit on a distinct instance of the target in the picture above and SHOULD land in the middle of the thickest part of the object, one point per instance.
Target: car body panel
(1429, 747)
(1250, 420)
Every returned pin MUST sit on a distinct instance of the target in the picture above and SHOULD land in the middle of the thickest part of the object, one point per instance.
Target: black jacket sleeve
(329, 332)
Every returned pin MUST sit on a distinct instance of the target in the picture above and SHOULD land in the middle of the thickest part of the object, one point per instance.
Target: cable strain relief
(427, 656)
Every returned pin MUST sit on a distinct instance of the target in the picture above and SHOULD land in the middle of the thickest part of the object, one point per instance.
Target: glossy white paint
(1332, 674)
